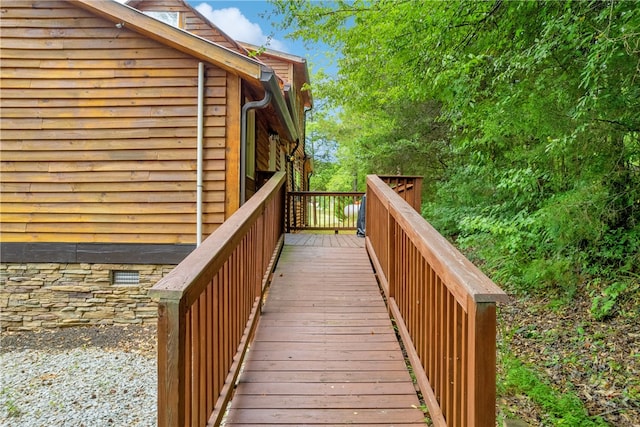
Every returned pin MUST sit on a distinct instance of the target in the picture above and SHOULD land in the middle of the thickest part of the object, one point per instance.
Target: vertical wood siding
(232, 166)
(262, 146)
(98, 132)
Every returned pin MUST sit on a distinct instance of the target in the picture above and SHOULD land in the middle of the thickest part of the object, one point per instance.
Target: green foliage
(604, 303)
(523, 117)
(322, 174)
(605, 298)
(560, 409)
(9, 405)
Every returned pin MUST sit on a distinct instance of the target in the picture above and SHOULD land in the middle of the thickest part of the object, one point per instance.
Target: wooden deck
(325, 352)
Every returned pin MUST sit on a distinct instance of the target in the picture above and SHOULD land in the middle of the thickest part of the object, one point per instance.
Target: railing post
(171, 363)
(481, 399)
(391, 259)
(282, 203)
(287, 214)
(260, 252)
(294, 212)
(417, 194)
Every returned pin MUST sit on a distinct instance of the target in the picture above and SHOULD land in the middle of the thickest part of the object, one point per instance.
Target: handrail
(323, 210)
(208, 306)
(443, 305)
(408, 187)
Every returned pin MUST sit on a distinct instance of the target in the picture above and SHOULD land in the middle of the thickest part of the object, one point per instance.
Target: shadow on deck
(325, 351)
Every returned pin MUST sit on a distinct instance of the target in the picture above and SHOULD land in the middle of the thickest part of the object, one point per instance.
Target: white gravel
(77, 387)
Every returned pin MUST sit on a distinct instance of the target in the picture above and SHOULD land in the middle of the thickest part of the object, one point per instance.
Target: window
(171, 18)
(125, 278)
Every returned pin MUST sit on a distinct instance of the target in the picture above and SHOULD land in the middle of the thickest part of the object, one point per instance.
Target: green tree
(524, 118)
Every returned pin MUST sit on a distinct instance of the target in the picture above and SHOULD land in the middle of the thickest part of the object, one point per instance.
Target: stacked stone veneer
(50, 295)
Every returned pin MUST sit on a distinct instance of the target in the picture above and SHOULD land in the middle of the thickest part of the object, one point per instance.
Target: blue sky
(243, 20)
(250, 21)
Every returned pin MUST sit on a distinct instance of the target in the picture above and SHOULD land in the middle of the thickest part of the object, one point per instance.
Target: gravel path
(98, 376)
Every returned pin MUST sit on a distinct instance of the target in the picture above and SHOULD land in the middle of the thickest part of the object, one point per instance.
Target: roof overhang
(299, 65)
(233, 62)
(250, 70)
(271, 84)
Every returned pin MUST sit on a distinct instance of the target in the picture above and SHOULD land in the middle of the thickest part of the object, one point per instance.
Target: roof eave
(210, 23)
(299, 63)
(270, 83)
(227, 59)
(246, 68)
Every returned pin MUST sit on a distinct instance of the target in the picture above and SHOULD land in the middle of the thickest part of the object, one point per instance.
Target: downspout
(270, 84)
(307, 159)
(199, 153)
(243, 140)
(292, 158)
(304, 128)
(271, 93)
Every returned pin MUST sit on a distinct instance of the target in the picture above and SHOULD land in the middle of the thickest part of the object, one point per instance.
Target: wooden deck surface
(325, 352)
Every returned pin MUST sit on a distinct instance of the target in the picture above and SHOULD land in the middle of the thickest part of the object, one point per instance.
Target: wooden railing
(407, 187)
(208, 306)
(319, 210)
(444, 308)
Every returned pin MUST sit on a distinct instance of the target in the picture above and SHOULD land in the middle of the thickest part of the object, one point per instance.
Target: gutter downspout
(304, 127)
(243, 141)
(291, 159)
(199, 153)
(271, 93)
(270, 84)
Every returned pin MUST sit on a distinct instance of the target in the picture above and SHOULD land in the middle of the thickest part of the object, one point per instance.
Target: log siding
(192, 20)
(99, 132)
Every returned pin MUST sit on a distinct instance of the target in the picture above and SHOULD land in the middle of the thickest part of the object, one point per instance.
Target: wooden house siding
(262, 153)
(262, 148)
(99, 132)
(292, 71)
(283, 69)
(193, 22)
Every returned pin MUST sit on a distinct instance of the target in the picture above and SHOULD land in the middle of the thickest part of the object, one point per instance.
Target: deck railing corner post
(171, 362)
(482, 364)
(367, 206)
(417, 190)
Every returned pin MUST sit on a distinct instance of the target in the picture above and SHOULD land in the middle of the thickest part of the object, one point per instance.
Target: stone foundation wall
(53, 295)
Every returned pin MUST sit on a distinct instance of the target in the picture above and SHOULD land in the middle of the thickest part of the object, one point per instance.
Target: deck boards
(325, 352)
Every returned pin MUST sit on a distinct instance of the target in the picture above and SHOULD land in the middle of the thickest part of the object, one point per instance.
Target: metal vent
(125, 277)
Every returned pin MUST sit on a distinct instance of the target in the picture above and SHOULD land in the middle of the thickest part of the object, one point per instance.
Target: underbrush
(559, 409)
(558, 366)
